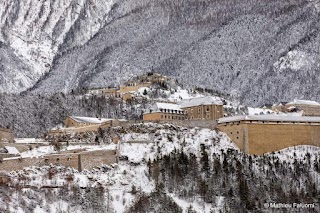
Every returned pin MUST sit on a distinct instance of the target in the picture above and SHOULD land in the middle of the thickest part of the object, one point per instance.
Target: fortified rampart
(80, 161)
(66, 134)
(259, 137)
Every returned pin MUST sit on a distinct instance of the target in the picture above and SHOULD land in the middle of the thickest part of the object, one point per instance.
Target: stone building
(165, 111)
(267, 133)
(203, 108)
(309, 108)
(6, 135)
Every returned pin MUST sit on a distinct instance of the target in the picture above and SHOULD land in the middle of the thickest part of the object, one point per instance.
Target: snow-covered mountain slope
(266, 51)
(38, 31)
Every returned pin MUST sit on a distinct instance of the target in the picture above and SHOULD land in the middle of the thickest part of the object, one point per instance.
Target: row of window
(174, 117)
(172, 111)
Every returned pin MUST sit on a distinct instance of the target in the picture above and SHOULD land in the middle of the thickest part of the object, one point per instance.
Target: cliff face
(264, 51)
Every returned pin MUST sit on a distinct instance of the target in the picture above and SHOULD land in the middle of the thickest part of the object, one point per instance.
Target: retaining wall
(80, 161)
(260, 138)
(184, 123)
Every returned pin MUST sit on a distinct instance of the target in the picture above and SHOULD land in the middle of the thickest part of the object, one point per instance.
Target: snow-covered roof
(292, 107)
(208, 100)
(168, 106)
(280, 117)
(12, 150)
(91, 120)
(303, 102)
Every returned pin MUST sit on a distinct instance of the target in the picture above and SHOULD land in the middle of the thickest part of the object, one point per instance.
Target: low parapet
(270, 118)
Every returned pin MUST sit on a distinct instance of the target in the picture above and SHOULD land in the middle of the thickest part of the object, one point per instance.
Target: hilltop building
(267, 133)
(203, 108)
(6, 135)
(165, 111)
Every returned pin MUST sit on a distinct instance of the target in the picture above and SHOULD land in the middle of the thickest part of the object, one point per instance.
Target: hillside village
(165, 113)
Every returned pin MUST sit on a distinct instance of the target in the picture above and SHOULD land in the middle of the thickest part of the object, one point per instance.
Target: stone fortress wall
(80, 161)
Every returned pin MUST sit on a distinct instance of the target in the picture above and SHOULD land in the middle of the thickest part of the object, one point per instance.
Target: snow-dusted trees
(246, 182)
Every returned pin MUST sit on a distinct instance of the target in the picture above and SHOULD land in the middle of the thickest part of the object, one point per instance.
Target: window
(161, 116)
(208, 109)
(237, 132)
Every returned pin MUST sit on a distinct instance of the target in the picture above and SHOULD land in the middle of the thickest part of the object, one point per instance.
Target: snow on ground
(142, 89)
(297, 153)
(166, 141)
(37, 152)
(182, 94)
(197, 204)
(295, 60)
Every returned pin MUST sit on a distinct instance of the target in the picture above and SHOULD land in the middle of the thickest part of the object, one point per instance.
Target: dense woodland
(246, 181)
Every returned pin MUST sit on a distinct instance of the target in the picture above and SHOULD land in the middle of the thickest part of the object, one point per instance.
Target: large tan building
(267, 133)
(6, 135)
(164, 111)
(203, 108)
(309, 108)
